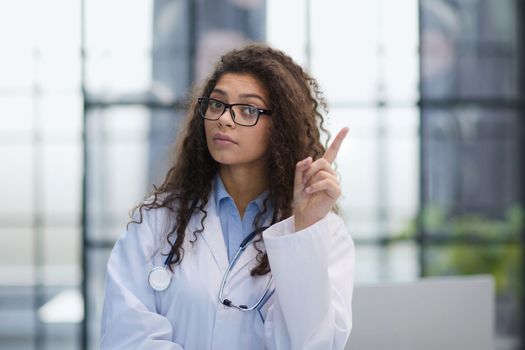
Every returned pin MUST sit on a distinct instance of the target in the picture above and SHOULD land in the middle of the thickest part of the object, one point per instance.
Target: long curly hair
(296, 122)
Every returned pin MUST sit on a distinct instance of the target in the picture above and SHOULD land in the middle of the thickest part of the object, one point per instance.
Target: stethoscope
(160, 277)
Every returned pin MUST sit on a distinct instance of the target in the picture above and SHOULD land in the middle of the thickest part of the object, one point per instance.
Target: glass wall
(40, 174)
(117, 72)
(92, 94)
(472, 134)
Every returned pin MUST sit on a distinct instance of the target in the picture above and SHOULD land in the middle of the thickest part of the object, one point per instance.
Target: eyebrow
(224, 93)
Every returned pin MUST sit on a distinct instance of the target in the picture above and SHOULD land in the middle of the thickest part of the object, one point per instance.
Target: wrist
(300, 223)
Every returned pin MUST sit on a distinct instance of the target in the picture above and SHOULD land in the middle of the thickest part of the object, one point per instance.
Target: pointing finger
(333, 149)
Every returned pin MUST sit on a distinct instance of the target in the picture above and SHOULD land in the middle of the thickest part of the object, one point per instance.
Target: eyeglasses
(242, 114)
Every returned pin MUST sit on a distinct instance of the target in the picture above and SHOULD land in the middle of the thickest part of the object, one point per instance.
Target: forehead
(241, 83)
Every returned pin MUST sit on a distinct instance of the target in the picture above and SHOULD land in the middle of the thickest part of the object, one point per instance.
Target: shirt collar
(220, 193)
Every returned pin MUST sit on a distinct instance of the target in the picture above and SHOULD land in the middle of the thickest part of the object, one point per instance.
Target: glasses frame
(229, 106)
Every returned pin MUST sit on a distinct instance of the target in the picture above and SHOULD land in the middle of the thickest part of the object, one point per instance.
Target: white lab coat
(310, 309)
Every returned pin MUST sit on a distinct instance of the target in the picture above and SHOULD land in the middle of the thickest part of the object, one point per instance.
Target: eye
(250, 111)
(216, 104)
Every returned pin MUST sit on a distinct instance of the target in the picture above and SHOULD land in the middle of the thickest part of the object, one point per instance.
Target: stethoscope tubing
(167, 274)
(241, 249)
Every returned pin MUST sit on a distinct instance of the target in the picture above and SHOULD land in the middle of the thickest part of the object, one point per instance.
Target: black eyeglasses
(242, 114)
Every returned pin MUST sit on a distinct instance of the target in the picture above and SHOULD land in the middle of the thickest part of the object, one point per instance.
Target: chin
(223, 159)
(234, 158)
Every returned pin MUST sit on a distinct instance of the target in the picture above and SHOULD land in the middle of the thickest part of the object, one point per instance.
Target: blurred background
(91, 98)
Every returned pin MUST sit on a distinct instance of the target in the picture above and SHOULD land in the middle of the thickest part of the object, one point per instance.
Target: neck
(243, 184)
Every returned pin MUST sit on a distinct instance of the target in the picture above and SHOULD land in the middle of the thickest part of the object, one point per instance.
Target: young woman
(240, 247)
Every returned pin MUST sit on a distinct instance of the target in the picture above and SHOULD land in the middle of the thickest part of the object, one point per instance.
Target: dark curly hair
(296, 102)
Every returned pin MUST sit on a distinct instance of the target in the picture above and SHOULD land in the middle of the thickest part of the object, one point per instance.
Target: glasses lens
(246, 114)
(211, 109)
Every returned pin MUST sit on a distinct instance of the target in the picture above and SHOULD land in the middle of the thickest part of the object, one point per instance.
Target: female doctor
(240, 247)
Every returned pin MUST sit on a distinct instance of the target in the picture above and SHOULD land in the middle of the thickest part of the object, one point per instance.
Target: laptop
(452, 313)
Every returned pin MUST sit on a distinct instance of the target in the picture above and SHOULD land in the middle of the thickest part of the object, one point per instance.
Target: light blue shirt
(235, 229)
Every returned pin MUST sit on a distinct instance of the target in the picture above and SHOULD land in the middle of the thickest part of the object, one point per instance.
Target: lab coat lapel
(212, 235)
(249, 254)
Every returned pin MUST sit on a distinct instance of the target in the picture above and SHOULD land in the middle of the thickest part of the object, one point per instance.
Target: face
(236, 145)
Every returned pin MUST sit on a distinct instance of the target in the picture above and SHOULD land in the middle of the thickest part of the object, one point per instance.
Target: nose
(226, 120)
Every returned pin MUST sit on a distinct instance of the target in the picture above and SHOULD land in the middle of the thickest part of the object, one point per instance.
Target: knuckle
(326, 173)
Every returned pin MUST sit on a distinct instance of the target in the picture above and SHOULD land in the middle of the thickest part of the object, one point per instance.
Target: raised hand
(316, 187)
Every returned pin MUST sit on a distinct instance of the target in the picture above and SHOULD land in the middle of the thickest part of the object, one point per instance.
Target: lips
(223, 138)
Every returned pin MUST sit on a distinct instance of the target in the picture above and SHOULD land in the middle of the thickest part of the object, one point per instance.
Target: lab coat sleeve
(313, 272)
(129, 318)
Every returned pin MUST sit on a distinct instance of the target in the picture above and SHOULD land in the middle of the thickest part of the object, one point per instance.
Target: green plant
(480, 245)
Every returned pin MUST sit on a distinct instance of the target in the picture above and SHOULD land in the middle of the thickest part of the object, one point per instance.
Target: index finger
(333, 149)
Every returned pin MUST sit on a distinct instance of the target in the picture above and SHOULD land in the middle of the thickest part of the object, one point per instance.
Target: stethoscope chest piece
(159, 278)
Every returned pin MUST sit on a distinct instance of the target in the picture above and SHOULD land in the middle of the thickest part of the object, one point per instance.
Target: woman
(250, 167)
